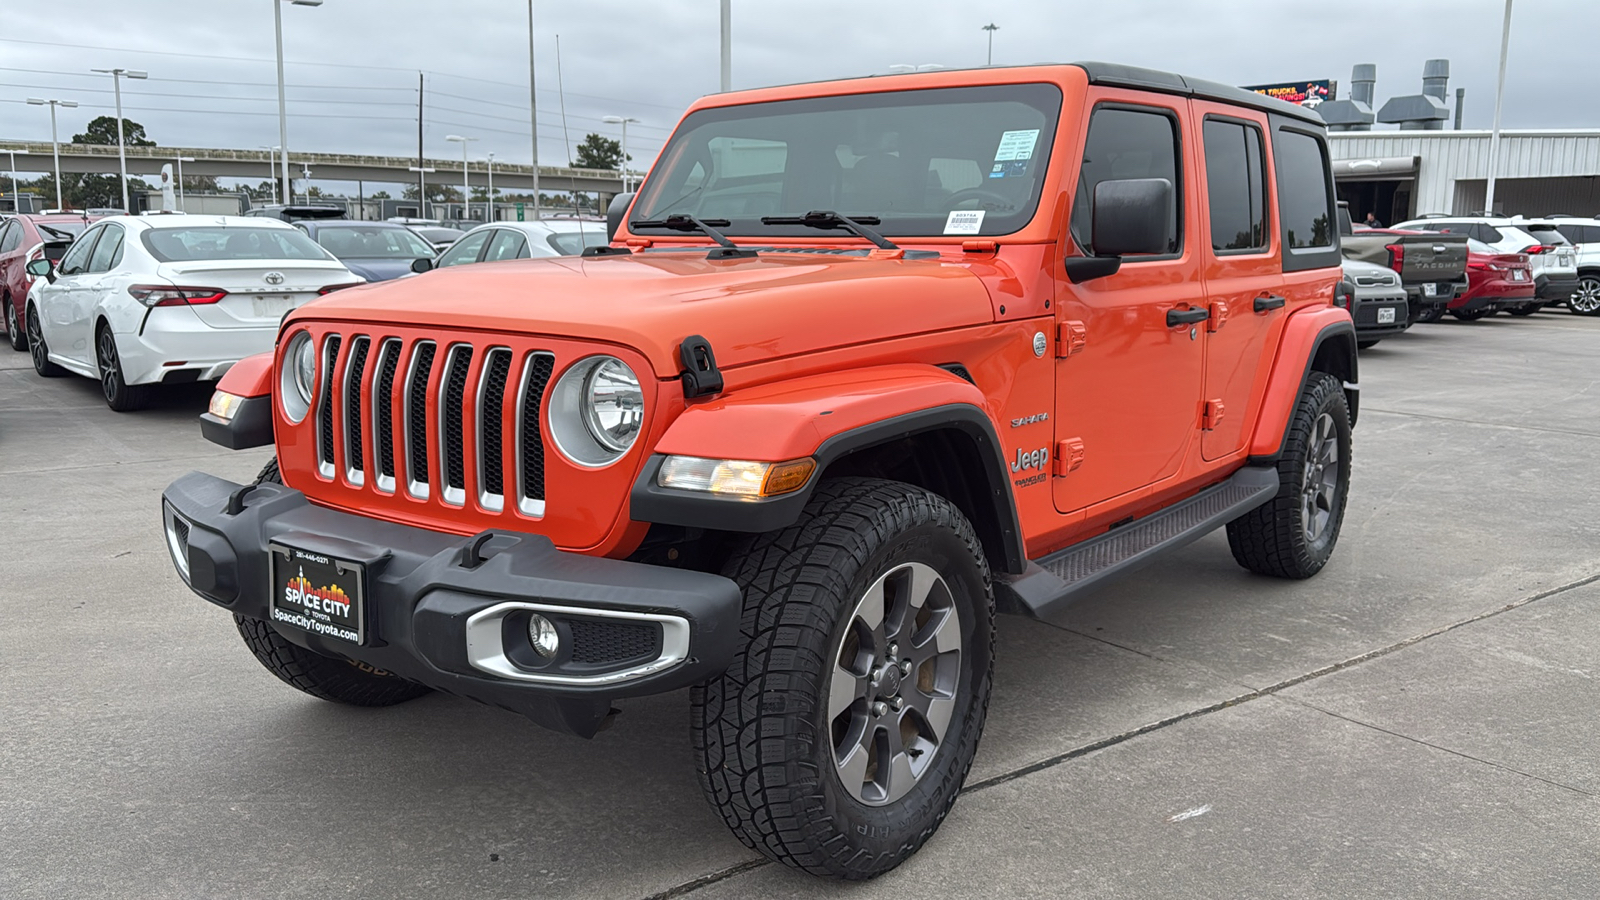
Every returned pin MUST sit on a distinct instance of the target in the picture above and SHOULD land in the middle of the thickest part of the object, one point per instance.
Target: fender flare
(1327, 334)
(250, 379)
(828, 417)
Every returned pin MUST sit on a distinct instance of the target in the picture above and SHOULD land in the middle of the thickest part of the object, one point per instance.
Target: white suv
(1551, 257)
(1585, 236)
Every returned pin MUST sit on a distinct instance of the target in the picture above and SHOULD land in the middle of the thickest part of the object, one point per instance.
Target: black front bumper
(425, 591)
(1555, 287)
(1365, 314)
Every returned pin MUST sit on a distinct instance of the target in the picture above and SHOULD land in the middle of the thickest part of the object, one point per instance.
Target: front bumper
(435, 608)
(1555, 287)
(1366, 310)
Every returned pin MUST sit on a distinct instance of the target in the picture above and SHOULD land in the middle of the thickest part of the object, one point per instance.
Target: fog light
(542, 635)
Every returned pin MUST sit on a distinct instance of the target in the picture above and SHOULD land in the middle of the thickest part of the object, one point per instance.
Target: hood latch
(701, 377)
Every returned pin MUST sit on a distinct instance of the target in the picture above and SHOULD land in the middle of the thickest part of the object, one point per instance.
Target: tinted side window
(77, 258)
(1126, 143)
(1303, 191)
(1487, 233)
(1235, 186)
(10, 236)
(465, 250)
(108, 252)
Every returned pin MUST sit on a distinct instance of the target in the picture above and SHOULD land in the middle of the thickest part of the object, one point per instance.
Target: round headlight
(596, 411)
(299, 380)
(613, 406)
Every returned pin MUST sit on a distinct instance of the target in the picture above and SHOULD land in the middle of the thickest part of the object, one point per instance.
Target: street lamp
(991, 28)
(122, 155)
(422, 188)
(272, 170)
(283, 117)
(466, 187)
(623, 121)
(181, 161)
(1494, 134)
(533, 114)
(55, 146)
(16, 189)
(491, 187)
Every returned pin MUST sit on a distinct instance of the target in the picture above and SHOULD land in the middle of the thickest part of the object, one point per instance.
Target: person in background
(1372, 221)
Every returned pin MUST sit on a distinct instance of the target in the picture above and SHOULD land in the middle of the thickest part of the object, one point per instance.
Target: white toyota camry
(142, 301)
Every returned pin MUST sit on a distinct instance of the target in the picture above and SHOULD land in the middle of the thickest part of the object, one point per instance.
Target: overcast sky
(352, 64)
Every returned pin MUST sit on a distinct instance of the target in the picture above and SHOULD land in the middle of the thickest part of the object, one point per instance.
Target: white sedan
(142, 301)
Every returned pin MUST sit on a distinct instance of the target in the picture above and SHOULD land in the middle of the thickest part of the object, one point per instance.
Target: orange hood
(751, 310)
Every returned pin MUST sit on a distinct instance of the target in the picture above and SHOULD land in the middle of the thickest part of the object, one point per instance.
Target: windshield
(571, 243)
(967, 161)
(197, 242)
(372, 242)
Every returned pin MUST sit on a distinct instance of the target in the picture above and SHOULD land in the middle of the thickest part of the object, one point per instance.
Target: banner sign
(1300, 93)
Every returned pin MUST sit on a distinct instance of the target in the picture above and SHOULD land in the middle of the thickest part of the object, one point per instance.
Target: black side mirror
(615, 213)
(41, 268)
(422, 264)
(1132, 216)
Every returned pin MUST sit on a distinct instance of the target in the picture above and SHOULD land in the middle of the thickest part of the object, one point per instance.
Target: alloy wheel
(893, 688)
(106, 356)
(1319, 485)
(1586, 299)
(11, 322)
(41, 353)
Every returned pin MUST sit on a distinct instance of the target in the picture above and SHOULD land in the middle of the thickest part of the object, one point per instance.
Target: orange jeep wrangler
(865, 363)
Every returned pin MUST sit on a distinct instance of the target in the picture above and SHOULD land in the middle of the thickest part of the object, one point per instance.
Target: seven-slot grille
(361, 377)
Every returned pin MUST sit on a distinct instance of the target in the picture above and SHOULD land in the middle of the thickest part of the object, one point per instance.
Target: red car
(1496, 281)
(23, 238)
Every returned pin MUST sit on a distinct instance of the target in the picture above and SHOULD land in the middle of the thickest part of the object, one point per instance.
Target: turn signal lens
(739, 478)
(224, 405)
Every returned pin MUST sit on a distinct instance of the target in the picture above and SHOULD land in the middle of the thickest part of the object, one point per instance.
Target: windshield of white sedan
(955, 161)
(200, 242)
(358, 242)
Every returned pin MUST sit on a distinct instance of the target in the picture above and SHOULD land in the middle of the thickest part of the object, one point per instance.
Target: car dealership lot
(1418, 720)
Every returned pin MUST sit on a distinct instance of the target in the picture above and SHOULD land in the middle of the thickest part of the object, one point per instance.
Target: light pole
(55, 146)
(727, 46)
(466, 186)
(623, 121)
(422, 188)
(491, 187)
(991, 28)
(16, 189)
(283, 117)
(181, 161)
(272, 171)
(533, 114)
(122, 154)
(1494, 134)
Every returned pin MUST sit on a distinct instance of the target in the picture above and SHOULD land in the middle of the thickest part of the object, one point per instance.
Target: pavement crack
(1478, 422)
(680, 890)
(1442, 749)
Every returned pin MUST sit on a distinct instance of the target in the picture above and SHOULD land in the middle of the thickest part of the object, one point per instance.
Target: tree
(597, 152)
(103, 130)
(381, 195)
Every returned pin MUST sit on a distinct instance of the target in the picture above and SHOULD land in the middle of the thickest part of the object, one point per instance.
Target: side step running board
(1050, 584)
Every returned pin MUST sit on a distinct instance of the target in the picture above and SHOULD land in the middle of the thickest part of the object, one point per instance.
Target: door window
(77, 258)
(1235, 186)
(465, 250)
(1127, 143)
(108, 252)
(506, 244)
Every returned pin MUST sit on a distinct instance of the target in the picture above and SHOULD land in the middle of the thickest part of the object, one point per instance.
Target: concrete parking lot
(1417, 721)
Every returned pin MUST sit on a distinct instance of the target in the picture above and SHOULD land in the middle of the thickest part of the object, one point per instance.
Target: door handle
(1265, 303)
(1193, 314)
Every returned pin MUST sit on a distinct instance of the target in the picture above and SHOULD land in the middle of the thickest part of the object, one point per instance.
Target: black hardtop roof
(1115, 75)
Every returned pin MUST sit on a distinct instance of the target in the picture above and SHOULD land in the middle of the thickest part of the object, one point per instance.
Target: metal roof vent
(1426, 111)
(1354, 114)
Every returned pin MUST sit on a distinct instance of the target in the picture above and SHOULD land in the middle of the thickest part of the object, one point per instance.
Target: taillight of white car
(153, 295)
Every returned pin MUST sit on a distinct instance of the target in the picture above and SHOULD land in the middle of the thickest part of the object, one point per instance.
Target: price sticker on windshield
(964, 221)
(1011, 157)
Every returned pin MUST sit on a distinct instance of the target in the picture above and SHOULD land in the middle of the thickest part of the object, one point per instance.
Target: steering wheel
(978, 193)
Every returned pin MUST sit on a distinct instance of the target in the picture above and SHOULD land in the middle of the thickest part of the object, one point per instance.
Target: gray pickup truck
(1432, 267)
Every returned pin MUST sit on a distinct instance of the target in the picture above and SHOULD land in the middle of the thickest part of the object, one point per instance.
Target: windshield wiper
(686, 222)
(828, 220)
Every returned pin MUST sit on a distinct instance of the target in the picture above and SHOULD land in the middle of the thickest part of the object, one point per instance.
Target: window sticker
(1016, 145)
(964, 221)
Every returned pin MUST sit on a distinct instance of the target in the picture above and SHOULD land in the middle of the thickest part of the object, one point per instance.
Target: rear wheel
(120, 395)
(37, 348)
(1293, 534)
(18, 337)
(1585, 301)
(838, 739)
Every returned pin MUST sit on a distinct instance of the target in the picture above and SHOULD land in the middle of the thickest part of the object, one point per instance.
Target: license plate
(1429, 289)
(271, 306)
(319, 594)
(1386, 316)
(1518, 275)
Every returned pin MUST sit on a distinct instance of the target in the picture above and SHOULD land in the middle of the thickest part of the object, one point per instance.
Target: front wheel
(1585, 301)
(1293, 534)
(14, 332)
(838, 739)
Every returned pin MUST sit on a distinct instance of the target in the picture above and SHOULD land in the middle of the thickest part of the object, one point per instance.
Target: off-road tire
(1271, 539)
(1367, 345)
(38, 349)
(338, 680)
(764, 746)
(1471, 315)
(120, 395)
(269, 473)
(14, 332)
(1431, 314)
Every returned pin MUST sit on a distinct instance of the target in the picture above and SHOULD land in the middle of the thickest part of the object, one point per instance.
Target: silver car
(524, 240)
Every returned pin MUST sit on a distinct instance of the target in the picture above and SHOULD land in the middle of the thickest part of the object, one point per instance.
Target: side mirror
(615, 213)
(41, 268)
(421, 264)
(1132, 216)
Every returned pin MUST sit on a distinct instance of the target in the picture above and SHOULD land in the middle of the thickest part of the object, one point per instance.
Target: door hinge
(1211, 415)
(1069, 455)
(1070, 338)
(1219, 316)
